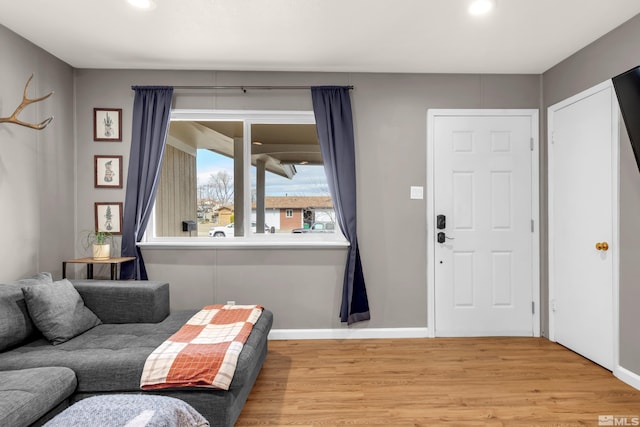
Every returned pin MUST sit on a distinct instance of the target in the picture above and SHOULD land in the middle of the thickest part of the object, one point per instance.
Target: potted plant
(100, 241)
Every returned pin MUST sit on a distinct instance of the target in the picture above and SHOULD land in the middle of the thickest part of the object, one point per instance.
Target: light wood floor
(430, 382)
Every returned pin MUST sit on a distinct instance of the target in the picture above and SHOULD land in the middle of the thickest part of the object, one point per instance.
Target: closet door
(583, 188)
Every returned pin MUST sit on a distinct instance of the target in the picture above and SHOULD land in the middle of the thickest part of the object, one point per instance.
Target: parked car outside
(227, 230)
(317, 227)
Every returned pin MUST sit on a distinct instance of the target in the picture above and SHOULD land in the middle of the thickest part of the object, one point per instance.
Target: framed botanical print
(108, 217)
(107, 124)
(107, 171)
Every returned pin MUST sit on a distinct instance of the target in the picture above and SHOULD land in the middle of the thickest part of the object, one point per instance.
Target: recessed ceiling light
(142, 4)
(481, 7)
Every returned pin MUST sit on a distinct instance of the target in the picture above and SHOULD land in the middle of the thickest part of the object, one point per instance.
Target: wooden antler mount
(26, 101)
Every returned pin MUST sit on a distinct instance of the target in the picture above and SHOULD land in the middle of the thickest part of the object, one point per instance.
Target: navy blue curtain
(151, 112)
(332, 109)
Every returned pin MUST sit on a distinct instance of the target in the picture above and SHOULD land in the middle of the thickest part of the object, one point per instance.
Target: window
(243, 173)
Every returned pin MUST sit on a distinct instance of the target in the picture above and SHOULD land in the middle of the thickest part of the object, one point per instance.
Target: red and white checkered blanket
(204, 352)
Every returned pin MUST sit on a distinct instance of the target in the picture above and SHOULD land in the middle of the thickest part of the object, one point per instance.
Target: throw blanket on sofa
(204, 352)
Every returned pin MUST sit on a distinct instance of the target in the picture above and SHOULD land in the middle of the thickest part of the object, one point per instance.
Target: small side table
(90, 261)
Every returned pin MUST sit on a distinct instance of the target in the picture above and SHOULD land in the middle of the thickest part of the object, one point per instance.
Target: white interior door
(485, 271)
(583, 156)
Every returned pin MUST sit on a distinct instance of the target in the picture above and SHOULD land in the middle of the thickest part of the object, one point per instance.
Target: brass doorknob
(602, 246)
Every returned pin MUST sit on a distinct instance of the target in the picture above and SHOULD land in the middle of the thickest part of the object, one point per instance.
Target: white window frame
(251, 240)
(288, 213)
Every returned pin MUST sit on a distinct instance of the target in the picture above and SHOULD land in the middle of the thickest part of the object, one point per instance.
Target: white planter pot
(101, 252)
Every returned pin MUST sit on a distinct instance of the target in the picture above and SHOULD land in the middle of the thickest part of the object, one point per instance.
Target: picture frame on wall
(107, 124)
(108, 217)
(107, 171)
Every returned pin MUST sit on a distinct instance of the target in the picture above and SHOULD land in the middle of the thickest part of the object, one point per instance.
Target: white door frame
(615, 179)
(535, 206)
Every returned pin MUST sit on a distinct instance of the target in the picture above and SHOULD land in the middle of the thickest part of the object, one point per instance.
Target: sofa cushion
(125, 301)
(110, 358)
(43, 278)
(58, 311)
(28, 394)
(15, 324)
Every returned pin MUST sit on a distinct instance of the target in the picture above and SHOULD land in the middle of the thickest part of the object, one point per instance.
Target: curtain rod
(245, 88)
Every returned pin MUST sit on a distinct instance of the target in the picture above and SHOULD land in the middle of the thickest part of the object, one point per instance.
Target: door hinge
(553, 137)
(533, 307)
(531, 143)
(532, 229)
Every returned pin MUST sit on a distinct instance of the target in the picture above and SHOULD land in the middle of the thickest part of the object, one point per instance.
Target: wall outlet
(231, 303)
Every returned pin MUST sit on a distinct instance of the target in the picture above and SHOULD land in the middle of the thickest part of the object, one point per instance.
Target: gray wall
(37, 168)
(609, 56)
(303, 287)
(39, 172)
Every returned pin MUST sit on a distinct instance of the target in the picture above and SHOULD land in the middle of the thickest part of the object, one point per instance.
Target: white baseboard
(627, 376)
(348, 333)
(490, 333)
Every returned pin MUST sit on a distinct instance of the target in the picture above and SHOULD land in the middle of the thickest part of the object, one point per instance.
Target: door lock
(602, 246)
(441, 224)
(441, 237)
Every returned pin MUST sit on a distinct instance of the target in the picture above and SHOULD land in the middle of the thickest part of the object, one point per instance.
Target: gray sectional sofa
(108, 358)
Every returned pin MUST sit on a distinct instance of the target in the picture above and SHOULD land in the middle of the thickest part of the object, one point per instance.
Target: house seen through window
(241, 177)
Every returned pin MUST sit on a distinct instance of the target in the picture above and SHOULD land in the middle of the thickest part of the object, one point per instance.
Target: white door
(583, 154)
(485, 271)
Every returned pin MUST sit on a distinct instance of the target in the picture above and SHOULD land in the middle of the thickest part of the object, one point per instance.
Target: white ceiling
(417, 36)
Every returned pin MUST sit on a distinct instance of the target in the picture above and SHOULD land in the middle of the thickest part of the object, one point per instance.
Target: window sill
(254, 242)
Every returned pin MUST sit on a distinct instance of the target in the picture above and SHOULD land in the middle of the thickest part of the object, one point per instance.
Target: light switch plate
(417, 193)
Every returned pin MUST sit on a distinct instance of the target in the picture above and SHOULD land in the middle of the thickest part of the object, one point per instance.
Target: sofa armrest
(125, 301)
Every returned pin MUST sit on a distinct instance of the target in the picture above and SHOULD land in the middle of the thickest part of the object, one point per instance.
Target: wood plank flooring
(432, 382)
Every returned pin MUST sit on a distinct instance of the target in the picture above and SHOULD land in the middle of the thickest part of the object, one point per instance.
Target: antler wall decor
(26, 101)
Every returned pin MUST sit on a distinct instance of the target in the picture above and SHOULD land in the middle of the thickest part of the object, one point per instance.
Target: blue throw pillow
(58, 311)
